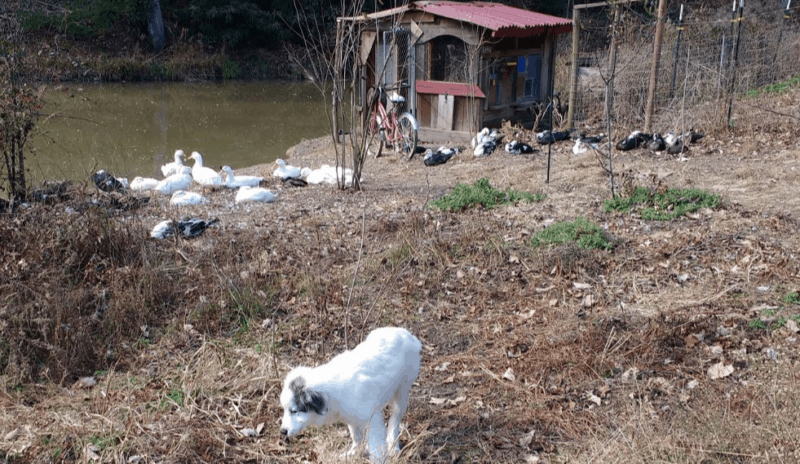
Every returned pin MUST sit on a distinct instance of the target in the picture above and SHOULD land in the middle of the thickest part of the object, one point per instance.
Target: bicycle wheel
(408, 135)
(376, 131)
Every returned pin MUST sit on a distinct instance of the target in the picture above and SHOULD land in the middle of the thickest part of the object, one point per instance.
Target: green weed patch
(466, 196)
(583, 232)
(663, 207)
(778, 87)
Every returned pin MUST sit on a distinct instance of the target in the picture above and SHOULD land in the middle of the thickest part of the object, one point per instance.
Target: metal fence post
(735, 60)
(573, 83)
(677, 49)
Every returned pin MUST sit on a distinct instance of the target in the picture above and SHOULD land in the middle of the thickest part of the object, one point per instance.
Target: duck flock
(487, 141)
(178, 178)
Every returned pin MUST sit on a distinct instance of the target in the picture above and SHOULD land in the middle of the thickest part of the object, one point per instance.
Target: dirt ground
(677, 345)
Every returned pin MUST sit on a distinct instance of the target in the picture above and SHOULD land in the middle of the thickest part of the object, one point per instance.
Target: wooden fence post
(651, 90)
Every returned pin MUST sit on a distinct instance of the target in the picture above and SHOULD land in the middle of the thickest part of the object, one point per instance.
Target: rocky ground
(678, 344)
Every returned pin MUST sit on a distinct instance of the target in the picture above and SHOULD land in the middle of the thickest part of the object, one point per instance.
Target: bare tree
(331, 58)
(19, 110)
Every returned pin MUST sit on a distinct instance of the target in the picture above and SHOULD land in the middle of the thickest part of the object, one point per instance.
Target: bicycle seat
(396, 98)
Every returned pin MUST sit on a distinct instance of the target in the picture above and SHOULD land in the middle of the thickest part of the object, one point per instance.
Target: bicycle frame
(386, 122)
(396, 128)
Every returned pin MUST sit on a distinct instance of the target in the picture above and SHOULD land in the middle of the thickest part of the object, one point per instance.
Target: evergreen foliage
(466, 196)
(583, 232)
(663, 206)
(229, 23)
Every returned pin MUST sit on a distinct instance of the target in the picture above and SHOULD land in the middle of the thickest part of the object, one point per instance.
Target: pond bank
(49, 58)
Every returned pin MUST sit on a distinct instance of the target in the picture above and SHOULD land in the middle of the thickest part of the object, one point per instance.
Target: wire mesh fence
(702, 65)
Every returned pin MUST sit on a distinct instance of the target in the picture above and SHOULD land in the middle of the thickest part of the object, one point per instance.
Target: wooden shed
(463, 65)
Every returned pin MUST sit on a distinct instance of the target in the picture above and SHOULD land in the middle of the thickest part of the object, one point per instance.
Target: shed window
(529, 75)
(449, 60)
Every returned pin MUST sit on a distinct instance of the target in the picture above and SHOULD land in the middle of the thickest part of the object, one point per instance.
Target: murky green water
(132, 129)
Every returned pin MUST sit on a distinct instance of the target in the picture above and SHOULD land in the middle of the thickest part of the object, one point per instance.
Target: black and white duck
(186, 228)
(440, 156)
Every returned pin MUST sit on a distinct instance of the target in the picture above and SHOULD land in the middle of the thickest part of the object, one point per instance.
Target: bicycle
(396, 128)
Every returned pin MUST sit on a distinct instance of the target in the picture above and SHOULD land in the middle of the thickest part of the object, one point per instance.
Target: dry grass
(560, 354)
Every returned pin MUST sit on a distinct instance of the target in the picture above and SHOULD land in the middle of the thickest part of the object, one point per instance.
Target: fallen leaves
(447, 402)
(719, 371)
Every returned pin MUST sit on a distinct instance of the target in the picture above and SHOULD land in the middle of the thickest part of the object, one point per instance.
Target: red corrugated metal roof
(450, 88)
(503, 20)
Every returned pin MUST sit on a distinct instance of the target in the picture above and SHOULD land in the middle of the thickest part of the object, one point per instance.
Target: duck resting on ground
(143, 184)
(107, 182)
(176, 166)
(479, 137)
(692, 136)
(547, 137)
(184, 198)
(232, 181)
(440, 156)
(518, 148)
(206, 177)
(583, 143)
(591, 138)
(329, 175)
(635, 140)
(186, 228)
(657, 143)
(675, 144)
(283, 170)
(254, 195)
(486, 142)
(173, 183)
(294, 182)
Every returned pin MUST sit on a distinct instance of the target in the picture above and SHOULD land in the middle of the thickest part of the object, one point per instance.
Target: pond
(132, 129)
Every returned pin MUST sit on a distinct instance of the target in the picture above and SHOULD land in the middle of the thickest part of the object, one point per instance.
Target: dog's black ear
(314, 401)
(297, 385)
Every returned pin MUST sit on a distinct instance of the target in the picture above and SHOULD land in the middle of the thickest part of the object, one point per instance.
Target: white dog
(354, 387)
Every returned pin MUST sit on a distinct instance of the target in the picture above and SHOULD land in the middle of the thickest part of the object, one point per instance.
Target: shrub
(19, 110)
(230, 70)
(85, 19)
(663, 206)
(778, 87)
(583, 232)
(465, 196)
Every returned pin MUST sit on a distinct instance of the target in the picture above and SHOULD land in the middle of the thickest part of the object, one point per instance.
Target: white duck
(184, 198)
(205, 176)
(479, 137)
(232, 181)
(173, 183)
(329, 175)
(283, 171)
(143, 184)
(254, 194)
(176, 166)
